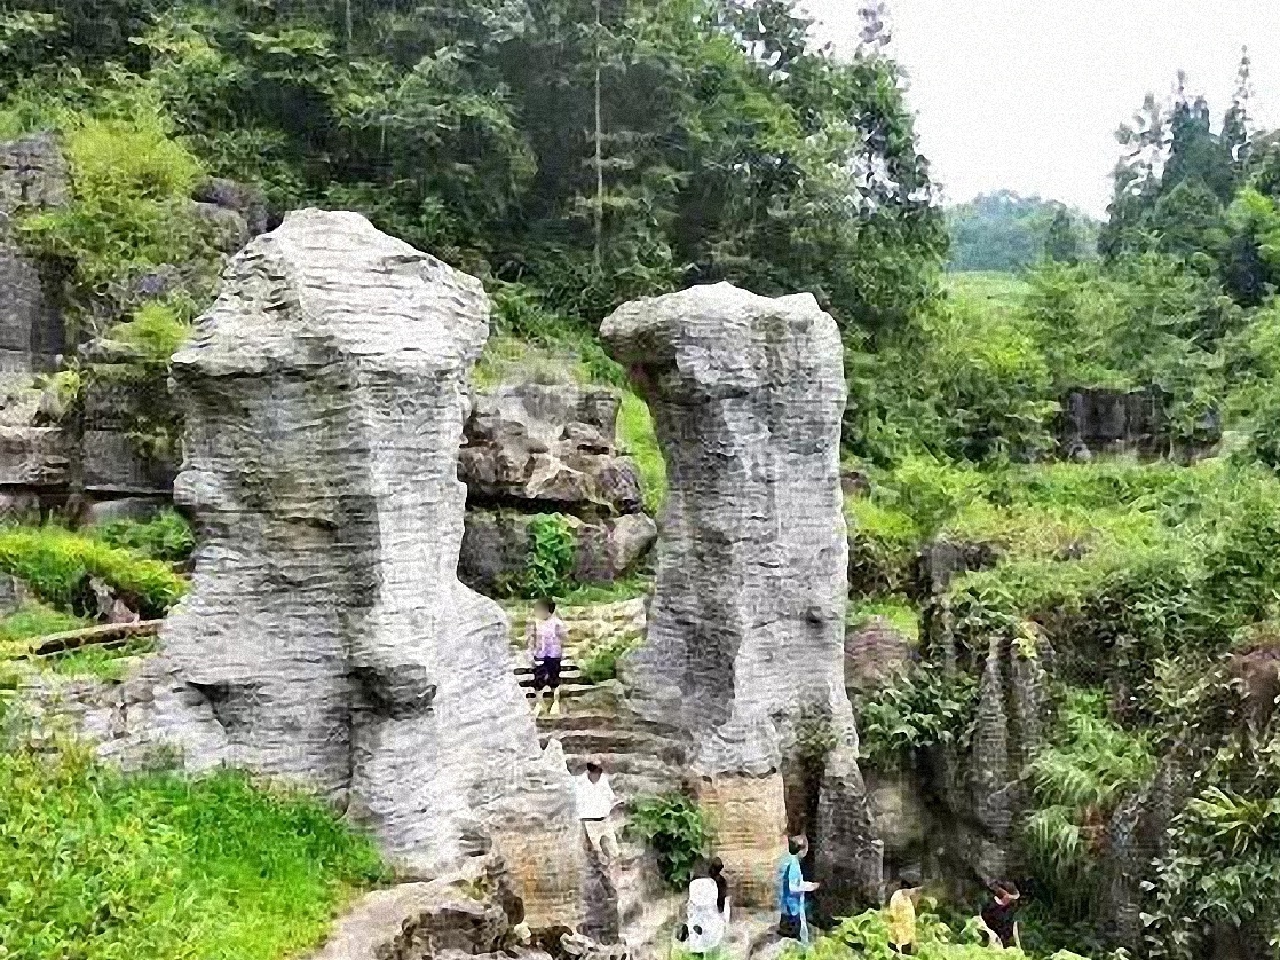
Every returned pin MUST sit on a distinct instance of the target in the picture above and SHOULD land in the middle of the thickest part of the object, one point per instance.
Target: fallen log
(108, 634)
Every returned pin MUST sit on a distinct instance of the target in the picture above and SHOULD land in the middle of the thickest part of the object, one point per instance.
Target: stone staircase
(641, 757)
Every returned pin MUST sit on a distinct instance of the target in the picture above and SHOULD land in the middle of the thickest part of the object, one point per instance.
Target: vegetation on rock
(676, 829)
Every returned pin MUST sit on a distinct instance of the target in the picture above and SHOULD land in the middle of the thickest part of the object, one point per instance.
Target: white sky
(1027, 94)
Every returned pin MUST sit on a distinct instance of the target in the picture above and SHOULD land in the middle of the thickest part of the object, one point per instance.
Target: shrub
(156, 330)
(599, 663)
(866, 937)
(130, 209)
(553, 551)
(920, 706)
(163, 867)
(1076, 782)
(167, 536)
(56, 563)
(676, 829)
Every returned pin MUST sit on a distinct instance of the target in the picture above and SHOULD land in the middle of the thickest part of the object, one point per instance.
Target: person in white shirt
(707, 912)
(595, 801)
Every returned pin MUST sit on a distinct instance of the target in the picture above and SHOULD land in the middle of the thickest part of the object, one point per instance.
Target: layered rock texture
(746, 628)
(534, 449)
(324, 396)
(33, 177)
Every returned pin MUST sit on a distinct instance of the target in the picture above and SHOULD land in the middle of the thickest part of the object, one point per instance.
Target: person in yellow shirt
(902, 919)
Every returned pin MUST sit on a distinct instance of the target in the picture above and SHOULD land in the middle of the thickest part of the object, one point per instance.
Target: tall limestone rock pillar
(324, 396)
(746, 629)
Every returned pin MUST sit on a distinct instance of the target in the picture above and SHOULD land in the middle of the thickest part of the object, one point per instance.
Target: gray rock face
(747, 622)
(1104, 421)
(746, 627)
(33, 177)
(552, 446)
(323, 397)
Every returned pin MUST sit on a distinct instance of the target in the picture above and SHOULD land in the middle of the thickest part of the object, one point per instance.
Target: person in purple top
(546, 635)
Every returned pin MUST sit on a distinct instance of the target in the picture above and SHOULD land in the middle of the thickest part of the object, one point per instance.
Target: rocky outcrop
(33, 177)
(497, 544)
(324, 396)
(746, 626)
(874, 650)
(1104, 421)
(534, 449)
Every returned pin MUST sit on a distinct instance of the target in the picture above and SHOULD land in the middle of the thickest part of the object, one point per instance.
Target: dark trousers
(546, 673)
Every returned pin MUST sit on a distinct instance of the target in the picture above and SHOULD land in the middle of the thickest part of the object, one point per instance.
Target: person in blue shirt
(792, 890)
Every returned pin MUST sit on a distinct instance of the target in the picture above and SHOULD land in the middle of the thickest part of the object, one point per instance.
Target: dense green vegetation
(100, 866)
(1005, 232)
(725, 146)
(676, 829)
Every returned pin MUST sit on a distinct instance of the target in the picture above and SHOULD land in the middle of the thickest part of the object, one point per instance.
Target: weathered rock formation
(746, 628)
(33, 177)
(537, 448)
(1098, 420)
(324, 396)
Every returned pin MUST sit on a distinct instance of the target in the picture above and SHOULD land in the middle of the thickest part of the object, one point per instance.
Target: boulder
(873, 650)
(248, 202)
(137, 509)
(323, 397)
(33, 458)
(941, 561)
(1098, 420)
(746, 626)
(537, 446)
(417, 921)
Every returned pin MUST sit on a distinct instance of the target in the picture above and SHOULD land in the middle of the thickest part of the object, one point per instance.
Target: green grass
(33, 619)
(1001, 291)
(900, 613)
(167, 536)
(99, 866)
(637, 438)
(55, 562)
(103, 663)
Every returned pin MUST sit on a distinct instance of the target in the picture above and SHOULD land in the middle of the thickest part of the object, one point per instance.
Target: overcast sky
(1027, 94)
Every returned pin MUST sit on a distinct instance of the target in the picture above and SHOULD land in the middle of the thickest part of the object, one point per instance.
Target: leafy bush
(599, 662)
(676, 829)
(130, 209)
(57, 563)
(866, 937)
(920, 706)
(1223, 872)
(156, 330)
(167, 536)
(552, 553)
(163, 867)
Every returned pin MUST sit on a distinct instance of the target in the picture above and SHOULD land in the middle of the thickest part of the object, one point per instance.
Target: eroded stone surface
(746, 628)
(33, 177)
(324, 396)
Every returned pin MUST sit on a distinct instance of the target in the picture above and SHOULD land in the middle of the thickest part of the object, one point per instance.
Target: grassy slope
(104, 867)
